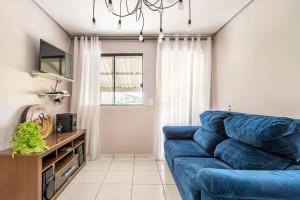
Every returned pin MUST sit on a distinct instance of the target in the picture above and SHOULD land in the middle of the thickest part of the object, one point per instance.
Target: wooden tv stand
(21, 177)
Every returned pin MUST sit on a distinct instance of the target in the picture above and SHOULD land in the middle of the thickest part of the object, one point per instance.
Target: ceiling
(75, 16)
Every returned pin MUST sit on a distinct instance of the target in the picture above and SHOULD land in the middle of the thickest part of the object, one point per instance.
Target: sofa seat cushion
(244, 157)
(186, 168)
(208, 140)
(182, 148)
(274, 134)
(214, 120)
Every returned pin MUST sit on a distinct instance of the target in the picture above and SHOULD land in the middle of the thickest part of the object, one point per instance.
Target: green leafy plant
(27, 139)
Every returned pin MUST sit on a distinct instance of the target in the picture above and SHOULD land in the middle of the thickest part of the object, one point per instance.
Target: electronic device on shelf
(48, 184)
(43, 176)
(66, 122)
(63, 174)
(79, 152)
(54, 60)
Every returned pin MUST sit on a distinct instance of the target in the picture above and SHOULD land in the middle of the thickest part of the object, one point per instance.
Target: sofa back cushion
(209, 140)
(213, 120)
(274, 134)
(244, 157)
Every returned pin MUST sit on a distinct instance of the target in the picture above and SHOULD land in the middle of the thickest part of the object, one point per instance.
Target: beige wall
(256, 60)
(22, 25)
(129, 129)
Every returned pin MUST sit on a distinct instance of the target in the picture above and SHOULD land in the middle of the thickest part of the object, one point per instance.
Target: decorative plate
(37, 113)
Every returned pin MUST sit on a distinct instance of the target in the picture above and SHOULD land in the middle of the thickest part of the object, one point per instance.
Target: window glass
(123, 83)
(106, 80)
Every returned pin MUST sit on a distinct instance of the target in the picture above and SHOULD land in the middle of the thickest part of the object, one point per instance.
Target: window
(121, 79)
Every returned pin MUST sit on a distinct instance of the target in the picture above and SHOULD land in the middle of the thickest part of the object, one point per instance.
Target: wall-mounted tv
(54, 60)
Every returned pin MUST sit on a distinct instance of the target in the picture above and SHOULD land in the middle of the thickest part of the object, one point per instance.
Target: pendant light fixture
(94, 24)
(141, 38)
(190, 18)
(155, 6)
(161, 34)
(180, 5)
(119, 25)
(110, 7)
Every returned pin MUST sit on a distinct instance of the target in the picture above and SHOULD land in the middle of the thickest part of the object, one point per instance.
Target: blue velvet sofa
(235, 156)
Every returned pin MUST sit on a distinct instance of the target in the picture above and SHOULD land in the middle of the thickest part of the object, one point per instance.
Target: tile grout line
(132, 177)
(104, 178)
(161, 180)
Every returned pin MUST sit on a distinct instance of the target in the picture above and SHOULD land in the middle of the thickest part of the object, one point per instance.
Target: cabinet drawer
(62, 175)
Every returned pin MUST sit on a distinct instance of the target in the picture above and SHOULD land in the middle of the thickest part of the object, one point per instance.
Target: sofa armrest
(180, 132)
(250, 184)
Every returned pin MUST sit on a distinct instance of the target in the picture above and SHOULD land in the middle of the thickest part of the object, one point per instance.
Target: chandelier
(155, 6)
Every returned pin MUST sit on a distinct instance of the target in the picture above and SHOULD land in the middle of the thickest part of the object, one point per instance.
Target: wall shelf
(54, 95)
(56, 98)
(50, 76)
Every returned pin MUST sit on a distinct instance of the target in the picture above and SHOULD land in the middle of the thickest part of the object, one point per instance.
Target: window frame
(114, 55)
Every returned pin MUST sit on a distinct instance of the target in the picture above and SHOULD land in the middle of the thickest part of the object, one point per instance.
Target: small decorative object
(27, 139)
(59, 127)
(55, 96)
(37, 113)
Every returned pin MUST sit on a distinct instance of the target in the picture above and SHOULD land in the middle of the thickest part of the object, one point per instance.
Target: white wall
(129, 129)
(22, 25)
(256, 60)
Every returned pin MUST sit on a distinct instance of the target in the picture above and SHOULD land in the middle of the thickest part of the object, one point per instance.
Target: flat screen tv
(54, 60)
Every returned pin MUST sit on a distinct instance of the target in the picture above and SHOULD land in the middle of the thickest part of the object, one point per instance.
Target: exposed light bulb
(161, 34)
(141, 38)
(119, 25)
(160, 40)
(189, 25)
(94, 24)
(110, 7)
(180, 5)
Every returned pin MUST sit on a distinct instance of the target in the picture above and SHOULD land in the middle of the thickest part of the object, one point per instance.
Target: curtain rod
(146, 37)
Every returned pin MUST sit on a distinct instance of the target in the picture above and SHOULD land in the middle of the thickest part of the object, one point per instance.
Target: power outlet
(229, 107)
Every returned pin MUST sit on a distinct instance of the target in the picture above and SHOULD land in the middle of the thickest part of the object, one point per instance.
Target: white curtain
(86, 91)
(183, 82)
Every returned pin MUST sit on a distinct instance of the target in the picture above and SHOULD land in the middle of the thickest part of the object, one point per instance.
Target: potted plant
(27, 139)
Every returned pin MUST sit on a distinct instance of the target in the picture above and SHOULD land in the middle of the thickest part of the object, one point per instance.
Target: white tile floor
(123, 176)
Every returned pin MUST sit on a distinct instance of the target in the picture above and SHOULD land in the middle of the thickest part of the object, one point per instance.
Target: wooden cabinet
(21, 176)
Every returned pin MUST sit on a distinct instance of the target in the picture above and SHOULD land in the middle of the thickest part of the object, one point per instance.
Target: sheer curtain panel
(86, 91)
(183, 82)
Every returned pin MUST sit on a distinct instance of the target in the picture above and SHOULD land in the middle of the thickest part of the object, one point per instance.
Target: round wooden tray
(38, 113)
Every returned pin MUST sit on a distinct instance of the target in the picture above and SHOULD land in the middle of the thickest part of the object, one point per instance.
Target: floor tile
(107, 155)
(105, 158)
(162, 166)
(145, 165)
(114, 192)
(143, 155)
(122, 165)
(146, 177)
(90, 177)
(124, 158)
(148, 192)
(122, 155)
(172, 192)
(119, 177)
(98, 165)
(166, 177)
(80, 192)
(146, 159)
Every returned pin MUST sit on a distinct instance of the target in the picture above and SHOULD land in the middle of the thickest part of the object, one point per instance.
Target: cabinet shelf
(22, 169)
(50, 76)
(47, 163)
(78, 143)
